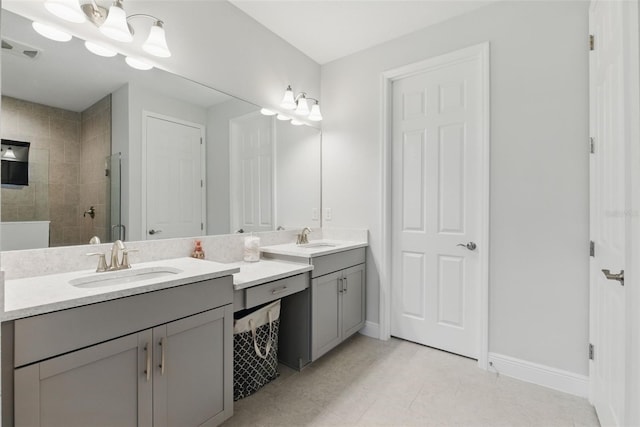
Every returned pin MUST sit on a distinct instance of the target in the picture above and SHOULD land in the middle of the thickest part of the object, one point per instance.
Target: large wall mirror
(120, 153)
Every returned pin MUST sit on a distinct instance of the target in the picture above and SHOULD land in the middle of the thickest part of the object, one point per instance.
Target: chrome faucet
(303, 237)
(118, 245)
(116, 264)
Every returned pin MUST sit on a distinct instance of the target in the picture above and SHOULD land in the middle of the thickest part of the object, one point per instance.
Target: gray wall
(539, 166)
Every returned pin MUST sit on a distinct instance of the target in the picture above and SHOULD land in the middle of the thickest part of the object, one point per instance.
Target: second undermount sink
(318, 245)
(113, 278)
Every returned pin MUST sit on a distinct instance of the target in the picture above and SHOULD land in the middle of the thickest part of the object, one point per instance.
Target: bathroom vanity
(158, 352)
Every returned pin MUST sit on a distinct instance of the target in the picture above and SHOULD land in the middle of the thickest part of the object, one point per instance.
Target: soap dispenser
(197, 251)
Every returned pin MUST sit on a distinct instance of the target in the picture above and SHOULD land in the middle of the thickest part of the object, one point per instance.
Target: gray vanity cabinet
(337, 299)
(169, 373)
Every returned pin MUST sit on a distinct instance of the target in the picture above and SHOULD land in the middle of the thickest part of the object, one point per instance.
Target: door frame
(478, 52)
(143, 167)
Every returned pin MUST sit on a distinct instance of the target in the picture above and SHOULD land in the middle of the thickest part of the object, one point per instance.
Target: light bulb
(99, 50)
(282, 117)
(115, 26)
(156, 43)
(303, 106)
(69, 10)
(51, 33)
(267, 112)
(315, 113)
(138, 64)
(288, 101)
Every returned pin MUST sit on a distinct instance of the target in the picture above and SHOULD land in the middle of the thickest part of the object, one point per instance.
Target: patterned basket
(255, 350)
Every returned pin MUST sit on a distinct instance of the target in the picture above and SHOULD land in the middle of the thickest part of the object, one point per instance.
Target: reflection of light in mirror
(282, 117)
(267, 112)
(296, 122)
(51, 33)
(99, 50)
(9, 154)
(138, 64)
(69, 10)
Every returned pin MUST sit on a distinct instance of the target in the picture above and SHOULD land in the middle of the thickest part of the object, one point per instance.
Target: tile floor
(366, 382)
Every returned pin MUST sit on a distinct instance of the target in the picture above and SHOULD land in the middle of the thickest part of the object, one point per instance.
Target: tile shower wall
(95, 143)
(60, 187)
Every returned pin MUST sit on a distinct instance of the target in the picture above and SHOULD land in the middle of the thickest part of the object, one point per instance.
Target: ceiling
(326, 30)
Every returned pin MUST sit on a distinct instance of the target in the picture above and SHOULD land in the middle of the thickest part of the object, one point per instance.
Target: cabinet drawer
(274, 290)
(333, 262)
(47, 335)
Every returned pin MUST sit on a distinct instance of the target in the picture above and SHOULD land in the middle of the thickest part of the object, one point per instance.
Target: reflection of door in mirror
(251, 173)
(175, 193)
(67, 169)
(114, 172)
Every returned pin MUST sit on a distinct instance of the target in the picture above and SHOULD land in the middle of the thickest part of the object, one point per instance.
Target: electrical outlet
(314, 214)
(328, 214)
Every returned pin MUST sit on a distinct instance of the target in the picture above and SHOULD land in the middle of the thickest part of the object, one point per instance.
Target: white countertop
(43, 294)
(294, 250)
(263, 271)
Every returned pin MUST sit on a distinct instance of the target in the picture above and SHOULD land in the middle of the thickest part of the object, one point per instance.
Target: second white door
(175, 179)
(437, 205)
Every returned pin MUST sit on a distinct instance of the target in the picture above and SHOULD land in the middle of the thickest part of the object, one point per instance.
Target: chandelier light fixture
(112, 22)
(300, 104)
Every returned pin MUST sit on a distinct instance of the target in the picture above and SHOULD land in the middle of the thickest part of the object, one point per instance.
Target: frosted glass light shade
(51, 32)
(156, 43)
(9, 154)
(115, 27)
(137, 63)
(69, 10)
(288, 101)
(99, 50)
(303, 106)
(315, 113)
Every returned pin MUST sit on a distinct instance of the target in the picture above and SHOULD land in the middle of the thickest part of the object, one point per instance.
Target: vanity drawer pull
(147, 371)
(279, 291)
(162, 345)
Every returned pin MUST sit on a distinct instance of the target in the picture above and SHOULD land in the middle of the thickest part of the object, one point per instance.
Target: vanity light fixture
(51, 32)
(99, 49)
(156, 43)
(300, 104)
(115, 26)
(69, 10)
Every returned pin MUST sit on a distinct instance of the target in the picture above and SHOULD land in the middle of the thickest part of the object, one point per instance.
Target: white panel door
(607, 176)
(251, 169)
(175, 179)
(436, 207)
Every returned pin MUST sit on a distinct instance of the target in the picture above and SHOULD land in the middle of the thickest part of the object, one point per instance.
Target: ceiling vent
(19, 49)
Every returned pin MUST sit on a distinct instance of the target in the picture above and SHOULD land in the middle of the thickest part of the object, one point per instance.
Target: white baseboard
(546, 376)
(371, 330)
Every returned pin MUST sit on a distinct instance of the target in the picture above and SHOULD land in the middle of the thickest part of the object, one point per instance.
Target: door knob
(152, 231)
(612, 276)
(471, 246)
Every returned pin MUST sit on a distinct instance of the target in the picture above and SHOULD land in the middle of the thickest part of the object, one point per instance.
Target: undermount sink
(113, 278)
(318, 245)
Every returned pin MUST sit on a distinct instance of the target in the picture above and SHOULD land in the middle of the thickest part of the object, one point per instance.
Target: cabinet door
(193, 370)
(102, 385)
(326, 313)
(353, 302)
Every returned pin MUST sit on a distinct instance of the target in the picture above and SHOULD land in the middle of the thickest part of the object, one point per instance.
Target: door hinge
(201, 183)
(592, 248)
(592, 145)
(591, 351)
(592, 42)
(200, 141)
(202, 226)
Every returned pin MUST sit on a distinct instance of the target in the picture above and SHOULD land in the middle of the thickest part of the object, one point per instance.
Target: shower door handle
(612, 276)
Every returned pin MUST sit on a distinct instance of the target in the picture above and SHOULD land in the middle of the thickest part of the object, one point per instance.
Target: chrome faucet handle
(102, 262)
(125, 258)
